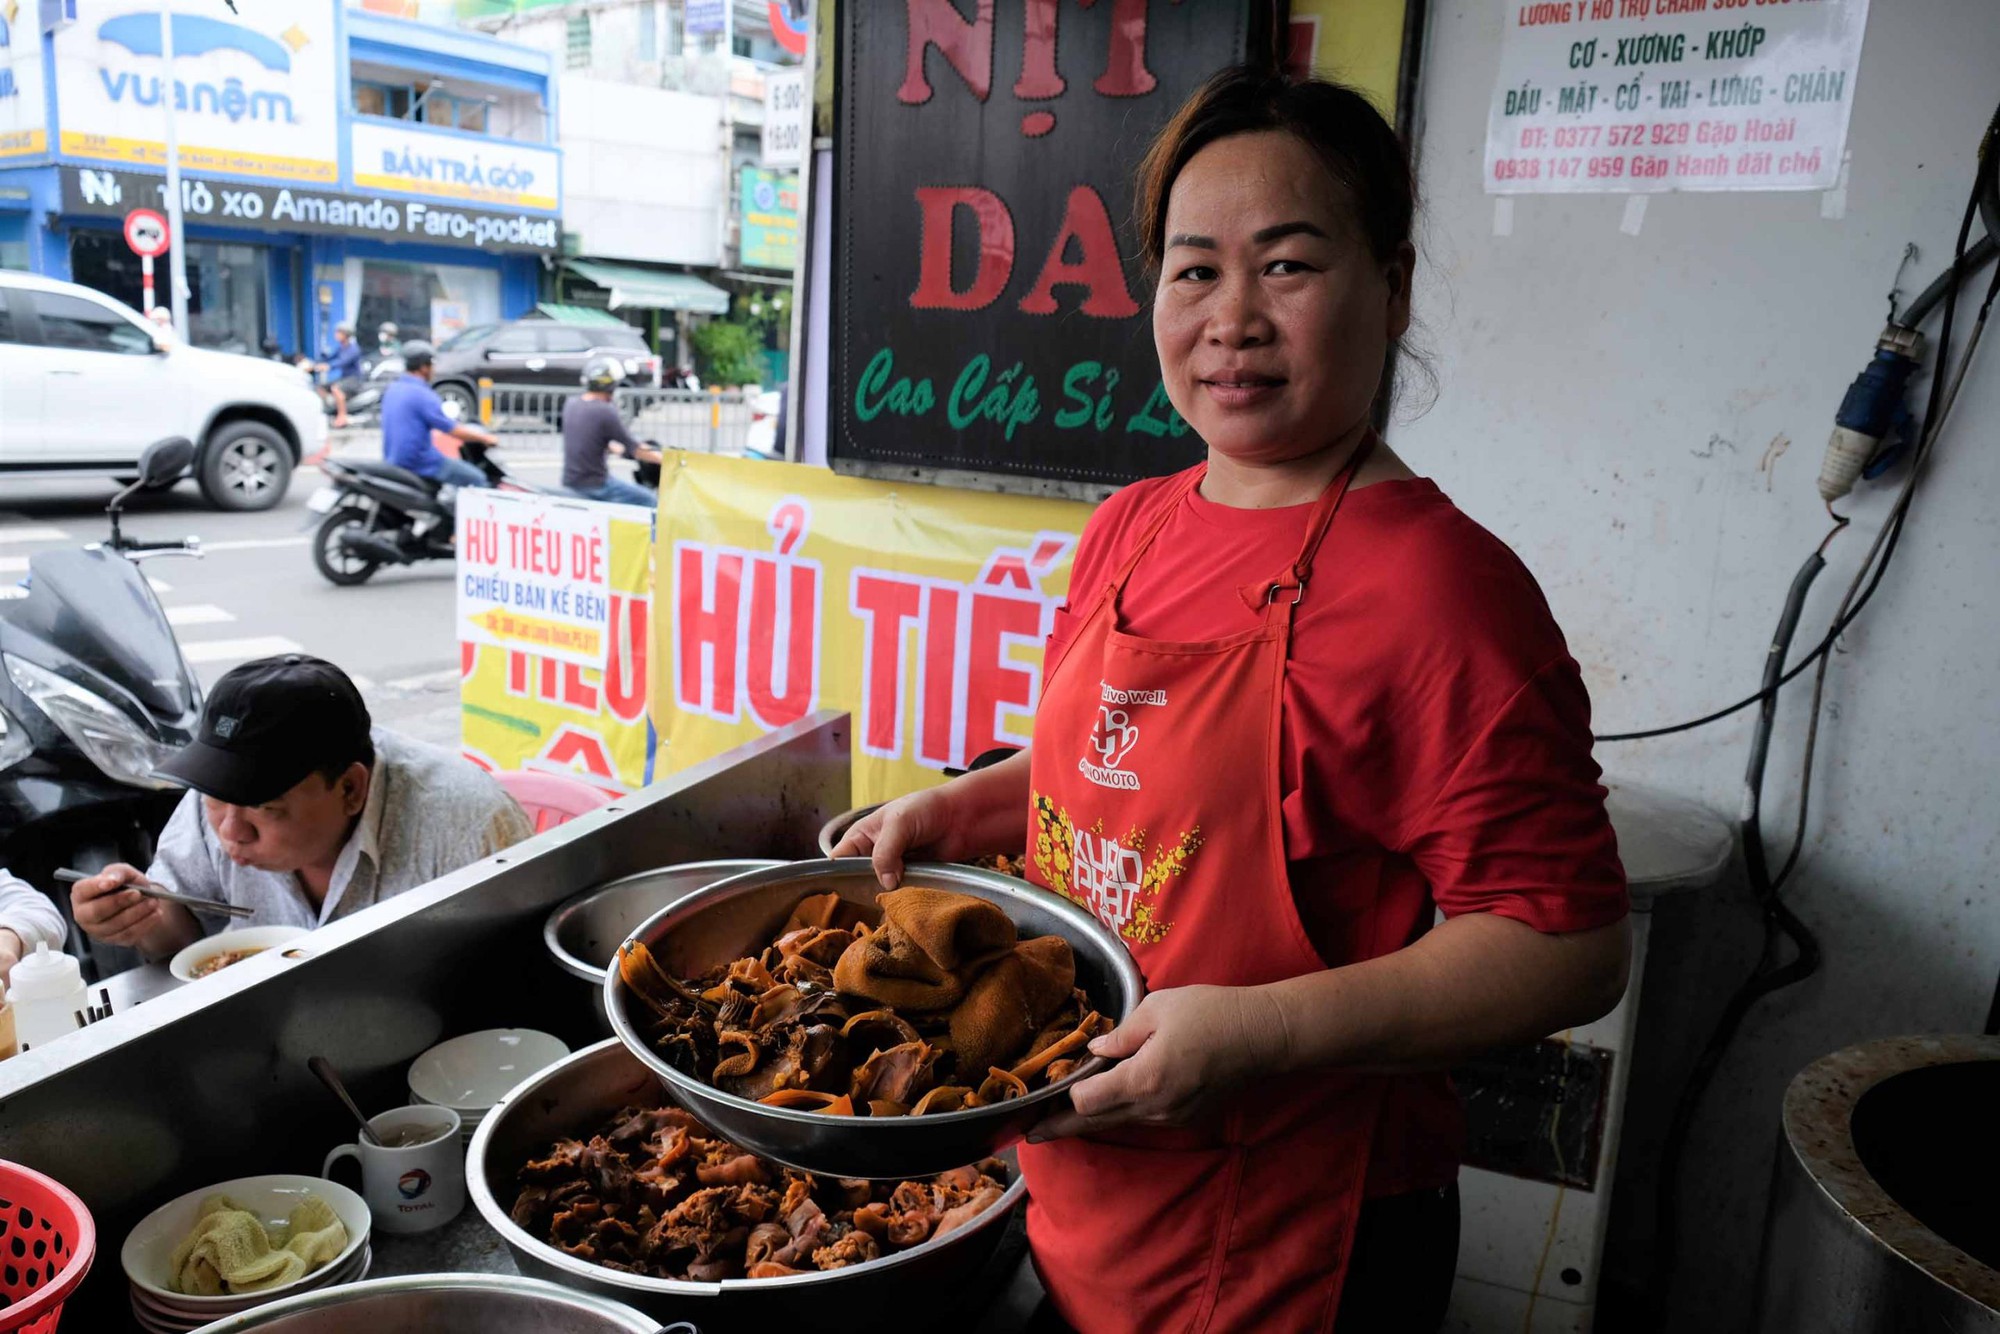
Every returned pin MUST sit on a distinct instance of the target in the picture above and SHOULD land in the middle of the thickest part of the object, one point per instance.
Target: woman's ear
(1398, 274)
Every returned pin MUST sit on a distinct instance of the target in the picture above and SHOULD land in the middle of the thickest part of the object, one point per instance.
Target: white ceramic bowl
(149, 1247)
(469, 1074)
(153, 1314)
(183, 964)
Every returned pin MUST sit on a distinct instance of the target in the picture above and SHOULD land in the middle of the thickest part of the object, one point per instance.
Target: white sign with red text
(534, 574)
(1643, 96)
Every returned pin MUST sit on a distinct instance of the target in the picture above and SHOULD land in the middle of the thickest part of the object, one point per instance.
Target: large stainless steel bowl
(739, 917)
(577, 1096)
(584, 932)
(443, 1304)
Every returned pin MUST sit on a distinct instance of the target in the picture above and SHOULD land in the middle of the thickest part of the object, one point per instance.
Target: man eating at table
(301, 811)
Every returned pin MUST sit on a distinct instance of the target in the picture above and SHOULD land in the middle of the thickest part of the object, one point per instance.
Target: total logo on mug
(414, 1180)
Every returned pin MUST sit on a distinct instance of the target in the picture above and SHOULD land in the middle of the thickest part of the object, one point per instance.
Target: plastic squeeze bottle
(47, 991)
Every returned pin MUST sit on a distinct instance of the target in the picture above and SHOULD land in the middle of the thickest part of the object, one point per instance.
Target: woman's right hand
(920, 822)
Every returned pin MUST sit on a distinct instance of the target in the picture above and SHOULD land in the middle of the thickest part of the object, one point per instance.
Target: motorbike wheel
(340, 566)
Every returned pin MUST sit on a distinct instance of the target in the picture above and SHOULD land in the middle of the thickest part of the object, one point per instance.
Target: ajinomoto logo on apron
(1115, 734)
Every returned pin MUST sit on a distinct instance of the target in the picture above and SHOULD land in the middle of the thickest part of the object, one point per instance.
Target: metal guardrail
(701, 421)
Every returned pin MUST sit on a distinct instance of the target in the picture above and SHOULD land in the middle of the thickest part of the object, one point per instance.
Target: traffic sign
(146, 232)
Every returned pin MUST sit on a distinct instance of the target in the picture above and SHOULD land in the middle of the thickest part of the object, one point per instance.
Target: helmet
(602, 374)
(416, 354)
(387, 329)
(345, 327)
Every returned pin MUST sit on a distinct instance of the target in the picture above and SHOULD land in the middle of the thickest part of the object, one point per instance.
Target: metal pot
(738, 917)
(443, 1304)
(579, 1095)
(835, 829)
(583, 933)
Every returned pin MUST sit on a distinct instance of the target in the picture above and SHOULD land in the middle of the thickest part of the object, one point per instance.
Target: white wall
(643, 171)
(1615, 407)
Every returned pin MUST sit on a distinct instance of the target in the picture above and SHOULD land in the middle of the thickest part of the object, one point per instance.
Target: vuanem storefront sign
(280, 208)
(406, 159)
(23, 118)
(256, 89)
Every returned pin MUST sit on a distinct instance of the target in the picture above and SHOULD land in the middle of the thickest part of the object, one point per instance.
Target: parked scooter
(95, 694)
(379, 514)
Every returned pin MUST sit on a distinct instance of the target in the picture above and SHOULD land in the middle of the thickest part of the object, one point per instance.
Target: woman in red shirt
(1297, 705)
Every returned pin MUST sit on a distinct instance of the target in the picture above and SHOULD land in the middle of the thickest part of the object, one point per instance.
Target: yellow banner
(194, 157)
(470, 193)
(518, 710)
(1356, 42)
(23, 143)
(920, 610)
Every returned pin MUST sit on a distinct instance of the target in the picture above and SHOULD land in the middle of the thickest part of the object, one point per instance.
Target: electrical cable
(1779, 920)
(1967, 258)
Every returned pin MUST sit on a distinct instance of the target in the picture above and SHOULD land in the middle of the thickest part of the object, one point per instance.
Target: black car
(537, 353)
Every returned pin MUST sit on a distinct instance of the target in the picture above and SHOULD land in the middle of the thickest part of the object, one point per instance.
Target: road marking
(256, 544)
(32, 532)
(443, 676)
(200, 613)
(240, 650)
(159, 585)
(13, 564)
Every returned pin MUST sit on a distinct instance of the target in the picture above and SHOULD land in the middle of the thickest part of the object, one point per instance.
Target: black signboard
(991, 313)
(285, 208)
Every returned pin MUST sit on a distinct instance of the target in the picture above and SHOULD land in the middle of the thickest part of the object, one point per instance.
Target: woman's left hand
(1183, 1051)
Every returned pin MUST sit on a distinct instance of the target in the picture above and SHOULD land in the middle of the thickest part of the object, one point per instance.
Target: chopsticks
(153, 891)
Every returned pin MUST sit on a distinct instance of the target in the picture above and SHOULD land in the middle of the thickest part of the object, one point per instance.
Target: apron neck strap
(1289, 588)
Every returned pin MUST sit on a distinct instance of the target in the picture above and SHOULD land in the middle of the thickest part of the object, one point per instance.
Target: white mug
(415, 1187)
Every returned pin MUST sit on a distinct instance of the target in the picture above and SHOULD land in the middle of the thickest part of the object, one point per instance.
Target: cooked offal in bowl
(932, 1003)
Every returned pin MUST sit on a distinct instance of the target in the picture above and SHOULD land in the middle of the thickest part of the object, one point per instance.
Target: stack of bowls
(469, 1074)
(148, 1252)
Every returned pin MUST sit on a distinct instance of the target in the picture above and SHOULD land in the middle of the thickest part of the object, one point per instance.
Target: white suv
(85, 386)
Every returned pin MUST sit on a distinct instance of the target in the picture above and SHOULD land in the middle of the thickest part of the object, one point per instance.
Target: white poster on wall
(256, 91)
(24, 121)
(1641, 96)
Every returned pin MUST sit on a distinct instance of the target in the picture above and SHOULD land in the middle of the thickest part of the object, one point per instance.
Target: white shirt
(428, 813)
(30, 914)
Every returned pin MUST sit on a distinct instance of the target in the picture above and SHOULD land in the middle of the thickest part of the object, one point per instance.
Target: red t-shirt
(1436, 746)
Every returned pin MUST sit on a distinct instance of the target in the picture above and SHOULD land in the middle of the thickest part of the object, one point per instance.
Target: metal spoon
(328, 1076)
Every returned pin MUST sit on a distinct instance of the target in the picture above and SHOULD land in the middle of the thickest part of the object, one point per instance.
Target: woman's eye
(1286, 267)
(1199, 273)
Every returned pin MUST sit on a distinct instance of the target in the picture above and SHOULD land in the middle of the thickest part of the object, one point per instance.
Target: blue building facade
(336, 164)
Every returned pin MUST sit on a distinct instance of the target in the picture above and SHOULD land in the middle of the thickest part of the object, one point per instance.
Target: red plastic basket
(47, 1241)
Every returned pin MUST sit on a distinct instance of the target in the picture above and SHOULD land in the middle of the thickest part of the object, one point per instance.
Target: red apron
(1155, 804)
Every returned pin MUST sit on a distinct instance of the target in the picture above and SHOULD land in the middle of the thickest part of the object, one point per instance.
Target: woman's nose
(1237, 317)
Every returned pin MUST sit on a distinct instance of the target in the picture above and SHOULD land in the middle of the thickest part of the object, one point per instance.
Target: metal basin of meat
(584, 932)
(578, 1095)
(441, 1304)
(739, 917)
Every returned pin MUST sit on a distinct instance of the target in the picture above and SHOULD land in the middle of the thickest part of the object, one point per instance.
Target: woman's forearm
(989, 807)
(1475, 982)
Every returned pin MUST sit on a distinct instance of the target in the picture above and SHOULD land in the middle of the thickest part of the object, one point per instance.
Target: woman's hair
(1342, 127)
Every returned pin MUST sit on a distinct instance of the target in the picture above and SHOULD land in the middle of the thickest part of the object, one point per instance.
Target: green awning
(584, 315)
(661, 289)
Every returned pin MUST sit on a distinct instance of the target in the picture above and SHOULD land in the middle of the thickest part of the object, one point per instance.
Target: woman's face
(1272, 319)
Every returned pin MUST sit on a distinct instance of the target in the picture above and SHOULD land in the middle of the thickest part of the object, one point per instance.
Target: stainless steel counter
(209, 1082)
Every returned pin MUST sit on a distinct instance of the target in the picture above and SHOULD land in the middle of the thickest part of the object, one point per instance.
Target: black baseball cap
(268, 724)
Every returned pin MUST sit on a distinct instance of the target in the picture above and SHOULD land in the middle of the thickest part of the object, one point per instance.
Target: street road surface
(255, 592)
